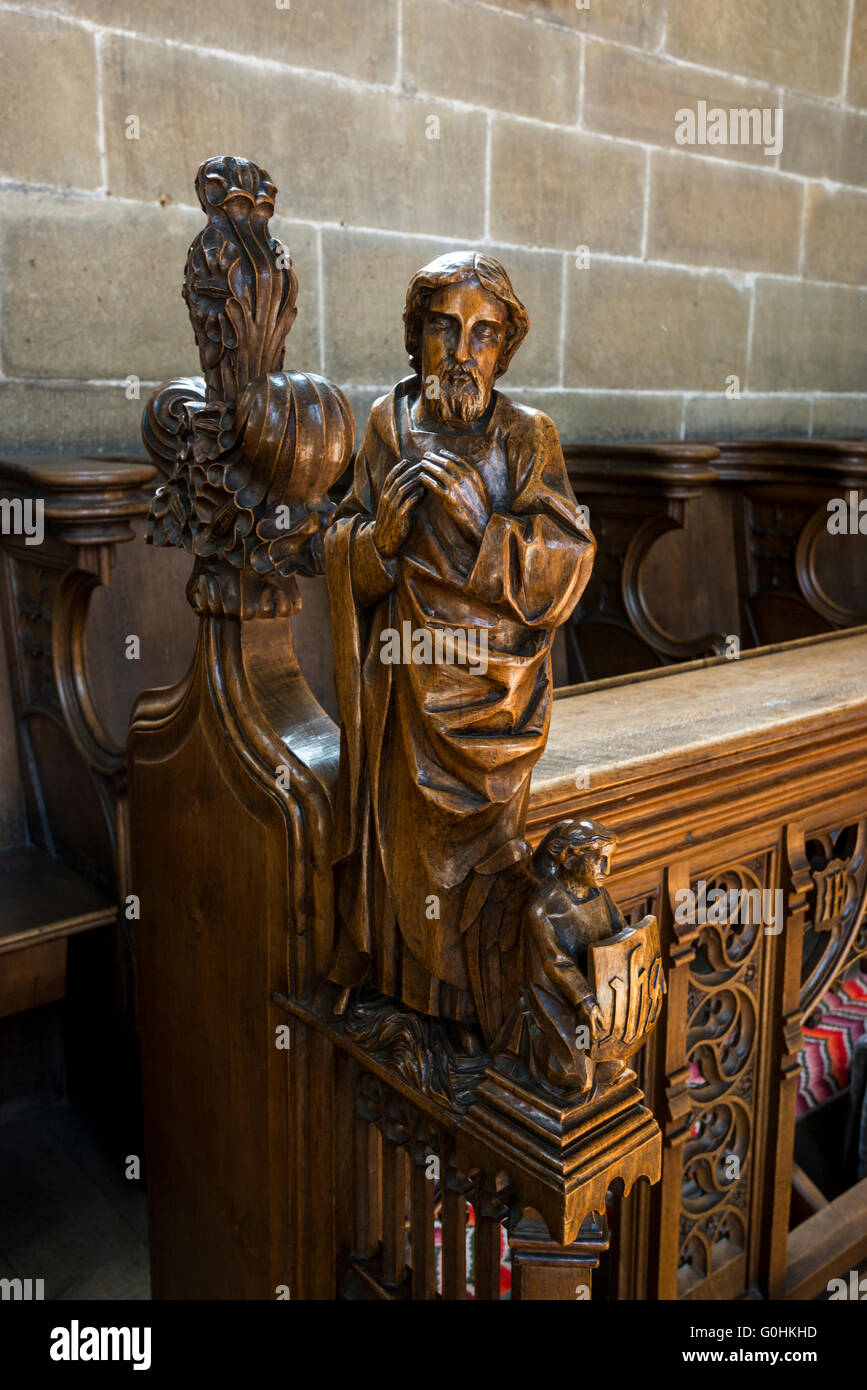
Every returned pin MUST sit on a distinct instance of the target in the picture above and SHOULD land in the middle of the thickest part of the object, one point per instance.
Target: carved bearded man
(461, 518)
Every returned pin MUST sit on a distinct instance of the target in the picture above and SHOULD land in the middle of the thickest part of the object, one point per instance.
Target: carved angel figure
(591, 986)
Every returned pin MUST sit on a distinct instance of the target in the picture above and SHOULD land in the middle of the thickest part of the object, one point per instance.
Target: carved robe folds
(437, 756)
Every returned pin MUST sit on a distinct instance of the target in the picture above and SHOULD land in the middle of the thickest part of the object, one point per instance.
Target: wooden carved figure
(398, 919)
(591, 985)
(249, 450)
(451, 563)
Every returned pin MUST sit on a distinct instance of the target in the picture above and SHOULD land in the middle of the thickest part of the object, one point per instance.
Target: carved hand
(595, 1018)
(461, 490)
(394, 513)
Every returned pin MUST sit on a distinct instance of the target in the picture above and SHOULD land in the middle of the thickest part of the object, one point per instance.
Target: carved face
(589, 863)
(464, 330)
(598, 863)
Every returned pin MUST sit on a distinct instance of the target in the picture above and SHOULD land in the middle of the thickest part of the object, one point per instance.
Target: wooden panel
(145, 599)
(691, 574)
(215, 1082)
(727, 766)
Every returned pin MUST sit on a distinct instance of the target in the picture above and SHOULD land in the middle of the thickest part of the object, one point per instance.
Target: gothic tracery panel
(834, 931)
(734, 907)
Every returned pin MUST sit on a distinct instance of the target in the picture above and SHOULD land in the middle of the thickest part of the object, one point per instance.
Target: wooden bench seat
(42, 903)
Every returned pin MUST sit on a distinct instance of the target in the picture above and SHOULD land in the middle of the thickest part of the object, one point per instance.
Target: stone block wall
(544, 130)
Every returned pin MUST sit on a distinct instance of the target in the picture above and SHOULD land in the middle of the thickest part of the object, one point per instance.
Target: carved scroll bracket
(635, 500)
(809, 580)
(87, 506)
(635, 598)
(785, 487)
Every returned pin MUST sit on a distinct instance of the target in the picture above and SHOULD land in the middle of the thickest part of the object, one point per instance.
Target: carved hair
(453, 269)
(580, 834)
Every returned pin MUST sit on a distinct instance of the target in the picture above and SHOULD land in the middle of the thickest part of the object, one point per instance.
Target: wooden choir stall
(486, 992)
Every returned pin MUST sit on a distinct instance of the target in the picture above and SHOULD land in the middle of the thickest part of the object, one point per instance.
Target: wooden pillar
(665, 1218)
(785, 990)
(542, 1269)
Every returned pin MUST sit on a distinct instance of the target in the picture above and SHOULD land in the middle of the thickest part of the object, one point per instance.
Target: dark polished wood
(794, 578)
(73, 769)
(457, 485)
(714, 779)
(755, 556)
(636, 493)
(71, 873)
(460, 524)
(404, 982)
(243, 750)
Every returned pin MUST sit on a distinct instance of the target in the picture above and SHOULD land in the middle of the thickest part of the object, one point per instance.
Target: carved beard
(463, 396)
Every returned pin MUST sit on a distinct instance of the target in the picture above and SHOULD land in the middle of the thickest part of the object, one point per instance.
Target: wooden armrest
(88, 501)
(44, 898)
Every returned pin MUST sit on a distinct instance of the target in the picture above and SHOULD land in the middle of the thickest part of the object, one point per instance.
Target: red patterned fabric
(837, 1025)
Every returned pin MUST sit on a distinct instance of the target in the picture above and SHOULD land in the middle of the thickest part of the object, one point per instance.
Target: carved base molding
(568, 1154)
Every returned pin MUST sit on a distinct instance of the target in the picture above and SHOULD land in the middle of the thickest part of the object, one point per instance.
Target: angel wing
(490, 924)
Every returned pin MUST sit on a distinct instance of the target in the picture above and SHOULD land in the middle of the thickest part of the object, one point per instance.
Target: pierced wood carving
(834, 862)
(728, 915)
(450, 565)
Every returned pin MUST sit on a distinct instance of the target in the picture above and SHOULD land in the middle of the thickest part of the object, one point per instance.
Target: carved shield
(627, 980)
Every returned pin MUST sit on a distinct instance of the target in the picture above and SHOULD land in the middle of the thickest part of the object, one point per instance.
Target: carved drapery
(748, 790)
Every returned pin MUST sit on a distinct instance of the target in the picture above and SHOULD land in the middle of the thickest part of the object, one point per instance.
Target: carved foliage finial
(250, 451)
(239, 284)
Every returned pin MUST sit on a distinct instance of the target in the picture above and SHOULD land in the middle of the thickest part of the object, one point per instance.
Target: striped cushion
(836, 1026)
